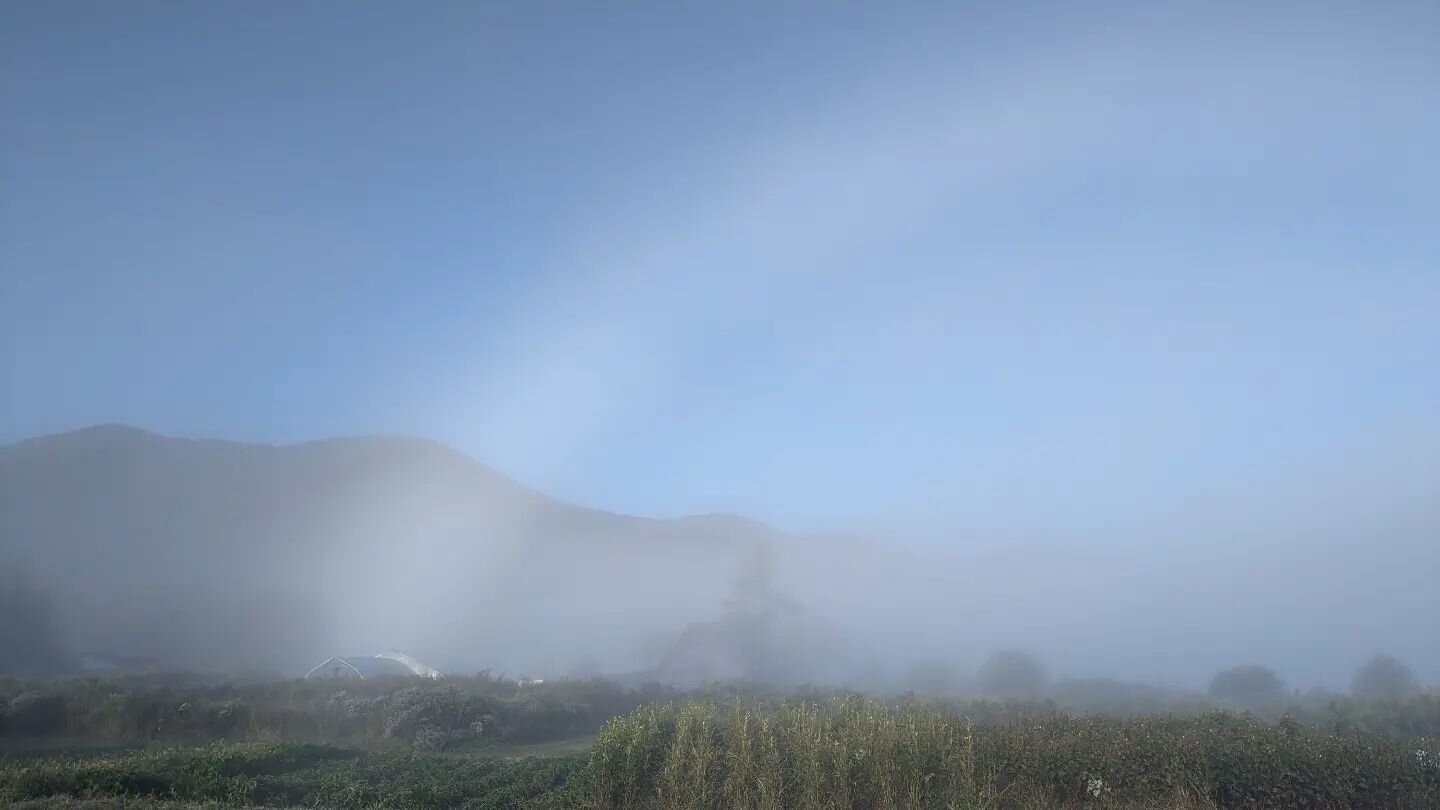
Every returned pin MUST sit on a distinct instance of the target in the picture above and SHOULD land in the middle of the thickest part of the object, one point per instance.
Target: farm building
(386, 664)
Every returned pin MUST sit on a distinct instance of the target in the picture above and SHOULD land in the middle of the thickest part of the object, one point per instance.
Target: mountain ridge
(275, 553)
(119, 431)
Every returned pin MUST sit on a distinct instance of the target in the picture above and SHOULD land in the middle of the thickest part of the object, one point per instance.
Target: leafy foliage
(421, 715)
(1250, 686)
(1383, 677)
(288, 775)
(1011, 674)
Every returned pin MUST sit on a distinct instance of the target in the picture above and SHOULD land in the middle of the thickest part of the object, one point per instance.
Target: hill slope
(213, 554)
(219, 554)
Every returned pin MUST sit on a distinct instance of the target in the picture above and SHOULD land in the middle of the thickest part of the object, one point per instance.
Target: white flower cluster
(1427, 759)
(1095, 786)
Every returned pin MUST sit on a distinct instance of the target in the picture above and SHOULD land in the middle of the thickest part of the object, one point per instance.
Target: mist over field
(697, 343)
(211, 555)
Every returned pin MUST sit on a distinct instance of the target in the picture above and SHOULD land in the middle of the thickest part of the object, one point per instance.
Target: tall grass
(851, 752)
(760, 750)
(846, 752)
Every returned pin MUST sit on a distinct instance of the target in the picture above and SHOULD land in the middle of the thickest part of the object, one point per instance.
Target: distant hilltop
(203, 553)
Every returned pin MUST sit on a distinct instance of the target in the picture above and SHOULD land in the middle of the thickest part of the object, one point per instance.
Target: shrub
(289, 775)
(1382, 677)
(34, 713)
(1251, 686)
(434, 719)
(1011, 674)
(423, 715)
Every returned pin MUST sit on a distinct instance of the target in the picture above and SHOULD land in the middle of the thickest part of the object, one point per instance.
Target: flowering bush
(434, 719)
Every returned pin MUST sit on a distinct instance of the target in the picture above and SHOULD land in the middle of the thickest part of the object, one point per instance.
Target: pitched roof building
(386, 664)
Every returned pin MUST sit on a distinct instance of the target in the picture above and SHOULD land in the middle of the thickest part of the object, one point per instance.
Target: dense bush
(1250, 686)
(434, 719)
(1011, 674)
(1383, 677)
(1415, 716)
(289, 775)
(33, 714)
(422, 715)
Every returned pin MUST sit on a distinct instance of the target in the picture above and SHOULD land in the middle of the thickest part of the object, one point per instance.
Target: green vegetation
(846, 753)
(452, 714)
(469, 713)
(1383, 677)
(291, 774)
(843, 752)
(1252, 687)
(1011, 674)
(852, 752)
(185, 742)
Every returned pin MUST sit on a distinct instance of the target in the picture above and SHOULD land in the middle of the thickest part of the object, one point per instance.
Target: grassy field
(848, 752)
(853, 752)
(485, 743)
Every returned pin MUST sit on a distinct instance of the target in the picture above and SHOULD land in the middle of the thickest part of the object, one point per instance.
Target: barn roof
(375, 666)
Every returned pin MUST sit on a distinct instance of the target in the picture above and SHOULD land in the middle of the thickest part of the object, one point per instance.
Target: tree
(755, 619)
(1011, 674)
(1383, 677)
(1251, 686)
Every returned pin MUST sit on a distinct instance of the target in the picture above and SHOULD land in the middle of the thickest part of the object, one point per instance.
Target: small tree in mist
(1251, 686)
(1011, 674)
(1383, 677)
(29, 637)
(751, 619)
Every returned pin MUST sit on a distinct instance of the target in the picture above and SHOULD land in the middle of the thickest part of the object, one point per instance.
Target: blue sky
(1036, 265)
